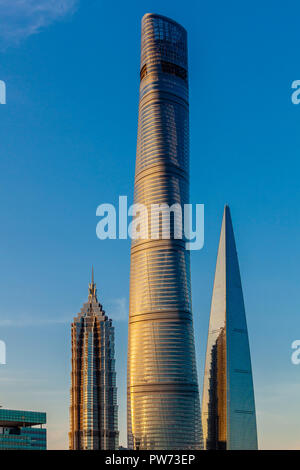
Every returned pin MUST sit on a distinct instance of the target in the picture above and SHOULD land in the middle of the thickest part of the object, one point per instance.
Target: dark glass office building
(228, 407)
(93, 410)
(162, 387)
(22, 430)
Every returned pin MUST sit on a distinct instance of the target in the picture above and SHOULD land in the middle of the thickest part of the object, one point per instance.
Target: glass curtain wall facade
(22, 430)
(93, 410)
(228, 407)
(162, 387)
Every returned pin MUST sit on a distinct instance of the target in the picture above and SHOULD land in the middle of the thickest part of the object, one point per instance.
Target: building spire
(92, 288)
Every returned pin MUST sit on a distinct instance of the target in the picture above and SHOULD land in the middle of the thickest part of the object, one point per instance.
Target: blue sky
(67, 144)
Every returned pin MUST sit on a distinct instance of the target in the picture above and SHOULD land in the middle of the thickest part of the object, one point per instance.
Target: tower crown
(92, 288)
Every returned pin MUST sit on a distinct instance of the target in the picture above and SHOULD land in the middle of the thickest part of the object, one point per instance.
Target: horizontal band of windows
(175, 339)
(158, 116)
(159, 293)
(176, 144)
(168, 277)
(155, 246)
(155, 292)
(161, 416)
(151, 165)
(170, 196)
(175, 348)
(163, 170)
(150, 159)
(167, 264)
(184, 388)
(153, 97)
(161, 329)
(155, 61)
(155, 285)
(162, 103)
(175, 351)
(169, 280)
(163, 97)
(165, 195)
(164, 375)
(162, 108)
(178, 370)
(162, 146)
(163, 134)
(154, 301)
(153, 138)
(173, 370)
(162, 182)
(175, 137)
(147, 308)
(162, 306)
(171, 95)
(166, 67)
(159, 284)
(160, 316)
(170, 273)
(168, 416)
(151, 56)
(157, 68)
(161, 152)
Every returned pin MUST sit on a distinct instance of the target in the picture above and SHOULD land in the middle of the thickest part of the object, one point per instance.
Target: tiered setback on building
(93, 410)
(228, 408)
(163, 398)
(18, 431)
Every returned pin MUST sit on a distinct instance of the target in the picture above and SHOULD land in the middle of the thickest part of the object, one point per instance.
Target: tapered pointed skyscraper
(93, 410)
(228, 407)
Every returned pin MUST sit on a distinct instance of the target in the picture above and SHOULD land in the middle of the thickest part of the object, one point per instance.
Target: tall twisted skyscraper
(228, 407)
(163, 398)
(93, 410)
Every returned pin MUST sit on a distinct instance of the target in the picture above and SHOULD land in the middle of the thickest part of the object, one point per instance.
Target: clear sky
(67, 144)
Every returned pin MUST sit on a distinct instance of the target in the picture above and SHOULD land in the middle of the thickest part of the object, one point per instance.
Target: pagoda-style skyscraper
(162, 385)
(228, 407)
(93, 410)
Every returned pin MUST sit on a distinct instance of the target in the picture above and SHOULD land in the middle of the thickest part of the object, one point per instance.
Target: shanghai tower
(162, 387)
(228, 407)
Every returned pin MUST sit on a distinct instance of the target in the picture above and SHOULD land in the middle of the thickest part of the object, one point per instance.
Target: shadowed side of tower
(162, 386)
(228, 406)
